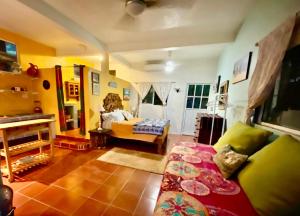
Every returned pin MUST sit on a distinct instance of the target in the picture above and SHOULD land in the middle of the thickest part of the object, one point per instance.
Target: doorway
(70, 100)
(196, 99)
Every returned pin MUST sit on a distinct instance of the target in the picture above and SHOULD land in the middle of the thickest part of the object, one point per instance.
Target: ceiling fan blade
(187, 4)
(127, 23)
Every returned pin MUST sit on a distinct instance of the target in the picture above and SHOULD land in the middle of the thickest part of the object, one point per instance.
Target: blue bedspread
(150, 126)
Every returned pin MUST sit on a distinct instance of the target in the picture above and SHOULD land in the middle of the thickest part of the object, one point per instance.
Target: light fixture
(135, 7)
(101, 58)
(170, 66)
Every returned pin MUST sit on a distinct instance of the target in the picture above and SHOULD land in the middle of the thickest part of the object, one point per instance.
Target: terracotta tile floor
(75, 183)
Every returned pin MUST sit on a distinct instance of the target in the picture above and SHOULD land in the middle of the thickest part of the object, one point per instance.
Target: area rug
(135, 159)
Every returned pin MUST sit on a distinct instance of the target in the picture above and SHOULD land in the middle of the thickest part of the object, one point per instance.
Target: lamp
(135, 7)
(101, 111)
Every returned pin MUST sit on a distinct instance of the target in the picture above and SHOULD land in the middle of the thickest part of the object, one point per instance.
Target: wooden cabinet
(203, 126)
(9, 130)
(72, 90)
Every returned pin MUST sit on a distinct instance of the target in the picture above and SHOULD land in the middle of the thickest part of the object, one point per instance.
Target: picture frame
(223, 94)
(126, 94)
(241, 69)
(95, 80)
(216, 85)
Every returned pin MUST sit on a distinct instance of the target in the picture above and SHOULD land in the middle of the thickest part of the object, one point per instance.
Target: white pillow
(106, 116)
(117, 116)
(127, 115)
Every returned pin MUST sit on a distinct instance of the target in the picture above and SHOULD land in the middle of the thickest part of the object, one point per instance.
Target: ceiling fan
(136, 7)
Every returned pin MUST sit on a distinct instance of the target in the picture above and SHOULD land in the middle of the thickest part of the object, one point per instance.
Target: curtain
(143, 89)
(60, 98)
(134, 101)
(82, 105)
(271, 53)
(163, 89)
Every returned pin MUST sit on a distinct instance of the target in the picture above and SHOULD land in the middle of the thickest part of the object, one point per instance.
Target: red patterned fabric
(191, 174)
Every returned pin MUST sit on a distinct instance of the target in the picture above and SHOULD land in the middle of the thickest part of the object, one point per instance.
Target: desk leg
(7, 156)
(51, 140)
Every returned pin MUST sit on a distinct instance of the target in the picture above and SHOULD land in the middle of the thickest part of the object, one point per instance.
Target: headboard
(112, 102)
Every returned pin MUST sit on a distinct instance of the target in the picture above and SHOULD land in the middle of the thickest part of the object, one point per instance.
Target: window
(152, 98)
(283, 106)
(197, 96)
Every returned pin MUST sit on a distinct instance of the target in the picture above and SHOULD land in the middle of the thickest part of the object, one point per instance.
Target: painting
(95, 83)
(241, 69)
(112, 84)
(223, 94)
(216, 85)
(126, 94)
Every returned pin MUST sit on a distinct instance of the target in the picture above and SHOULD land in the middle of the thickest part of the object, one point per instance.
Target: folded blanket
(150, 126)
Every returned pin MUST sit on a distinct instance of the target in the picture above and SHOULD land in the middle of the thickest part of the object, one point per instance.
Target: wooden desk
(9, 130)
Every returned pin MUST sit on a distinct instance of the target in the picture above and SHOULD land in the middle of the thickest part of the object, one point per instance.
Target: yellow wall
(45, 57)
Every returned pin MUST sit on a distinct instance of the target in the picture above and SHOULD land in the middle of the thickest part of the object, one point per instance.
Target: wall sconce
(177, 90)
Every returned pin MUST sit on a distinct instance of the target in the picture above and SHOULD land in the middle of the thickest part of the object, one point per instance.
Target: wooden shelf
(17, 92)
(27, 162)
(18, 149)
(18, 74)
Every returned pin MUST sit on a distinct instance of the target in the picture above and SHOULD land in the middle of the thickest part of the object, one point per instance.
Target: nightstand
(99, 137)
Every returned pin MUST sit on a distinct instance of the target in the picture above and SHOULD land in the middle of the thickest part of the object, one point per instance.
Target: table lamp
(101, 111)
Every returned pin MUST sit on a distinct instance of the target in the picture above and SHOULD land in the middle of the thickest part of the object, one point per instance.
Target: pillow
(271, 179)
(117, 116)
(106, 116)
(127, 115)
(243, 139)
(229, 161)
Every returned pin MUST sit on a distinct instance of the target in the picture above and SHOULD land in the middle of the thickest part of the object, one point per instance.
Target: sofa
(267, 183)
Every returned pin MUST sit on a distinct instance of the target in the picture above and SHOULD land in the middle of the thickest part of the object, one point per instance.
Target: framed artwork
(95, 83)
(112, 84)
(241, 69)
(223, 94)
(126, 94)
(217, 84)
(76, 72)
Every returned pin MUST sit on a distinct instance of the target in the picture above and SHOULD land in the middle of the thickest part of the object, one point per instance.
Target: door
(196, 100)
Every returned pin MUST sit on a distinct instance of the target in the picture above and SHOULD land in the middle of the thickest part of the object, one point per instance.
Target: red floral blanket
(193, 185)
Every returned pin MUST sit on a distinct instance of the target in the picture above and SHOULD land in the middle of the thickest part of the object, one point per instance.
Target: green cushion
(243, 139)
(272, 176)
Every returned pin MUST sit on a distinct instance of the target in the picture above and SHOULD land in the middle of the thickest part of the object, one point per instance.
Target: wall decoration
(217, 85)
(76, 72)
(95, 83)
(46, 84)
(112, 84)
(223, 94)
(126, 94)
(241, 69)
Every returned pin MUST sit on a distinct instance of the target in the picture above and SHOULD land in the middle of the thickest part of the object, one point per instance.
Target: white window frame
(194, 96)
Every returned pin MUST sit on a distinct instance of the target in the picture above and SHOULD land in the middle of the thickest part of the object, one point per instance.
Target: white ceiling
(200, 28)
(179, 23)
(18, 18)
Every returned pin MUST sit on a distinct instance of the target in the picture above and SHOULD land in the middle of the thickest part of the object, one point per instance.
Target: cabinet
(72, 90)
(8, 130)
(203, 128)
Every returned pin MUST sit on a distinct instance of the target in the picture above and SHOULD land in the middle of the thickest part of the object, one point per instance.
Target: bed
(124, 129)
(193, 185)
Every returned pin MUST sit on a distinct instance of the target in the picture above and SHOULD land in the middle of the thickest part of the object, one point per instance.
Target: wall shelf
(17, 92)
(23, 74)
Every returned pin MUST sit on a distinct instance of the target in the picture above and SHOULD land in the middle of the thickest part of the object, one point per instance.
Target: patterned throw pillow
(229, 161)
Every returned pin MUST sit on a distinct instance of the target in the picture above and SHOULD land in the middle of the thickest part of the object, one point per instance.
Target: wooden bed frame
(113, 101)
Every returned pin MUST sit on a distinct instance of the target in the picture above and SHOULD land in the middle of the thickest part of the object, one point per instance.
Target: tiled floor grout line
(110, 204)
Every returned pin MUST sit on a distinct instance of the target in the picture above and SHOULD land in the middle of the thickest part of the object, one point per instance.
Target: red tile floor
(75, 183)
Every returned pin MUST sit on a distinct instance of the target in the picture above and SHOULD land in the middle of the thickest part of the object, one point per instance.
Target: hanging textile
(163, 89)
(272, 49)
(60, 98)
(143, 89)
(134, 101)
(82, 106)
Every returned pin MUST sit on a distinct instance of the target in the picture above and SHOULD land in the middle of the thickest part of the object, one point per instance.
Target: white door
(196, 99)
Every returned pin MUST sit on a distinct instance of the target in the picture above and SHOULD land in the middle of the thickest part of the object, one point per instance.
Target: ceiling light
(169, 68)
(101, 58)
(135, 7)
